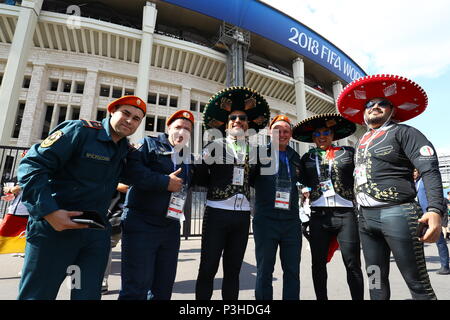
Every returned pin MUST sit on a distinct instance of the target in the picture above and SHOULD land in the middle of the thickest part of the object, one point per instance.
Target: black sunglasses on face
(382, 104)
(241, 117)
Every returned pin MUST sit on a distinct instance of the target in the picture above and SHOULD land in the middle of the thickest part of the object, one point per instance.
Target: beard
(379, 119)
(236, 132)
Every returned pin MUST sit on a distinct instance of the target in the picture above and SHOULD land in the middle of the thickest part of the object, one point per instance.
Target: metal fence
(195, 205)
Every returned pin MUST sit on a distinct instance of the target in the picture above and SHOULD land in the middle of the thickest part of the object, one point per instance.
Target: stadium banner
(274, 25)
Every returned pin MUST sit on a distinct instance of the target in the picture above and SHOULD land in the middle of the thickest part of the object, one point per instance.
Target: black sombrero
(231, 99)
(342, 127)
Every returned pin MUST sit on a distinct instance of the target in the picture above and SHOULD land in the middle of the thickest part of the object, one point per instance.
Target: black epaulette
(92, 124)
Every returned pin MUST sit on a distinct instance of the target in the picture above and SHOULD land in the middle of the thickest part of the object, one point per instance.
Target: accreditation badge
(360, 174)
(327, 188)
(238, 176)
(176, 205)
(282, 194)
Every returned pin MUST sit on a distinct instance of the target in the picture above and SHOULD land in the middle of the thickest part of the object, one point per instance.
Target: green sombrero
(231, 99)
(342, 127)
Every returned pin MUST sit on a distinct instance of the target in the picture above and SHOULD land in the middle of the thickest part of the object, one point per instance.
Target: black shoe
(443, 271)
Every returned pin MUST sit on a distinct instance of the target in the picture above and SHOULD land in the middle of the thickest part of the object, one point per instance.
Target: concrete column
(88, 103)
(185, 99)
(15, 67)
(145, 57)
(198, 139)
(298, 69)
(337, 89)
(34, 112)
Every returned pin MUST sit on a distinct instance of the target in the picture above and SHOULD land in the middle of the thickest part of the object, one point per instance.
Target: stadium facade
(63, 60)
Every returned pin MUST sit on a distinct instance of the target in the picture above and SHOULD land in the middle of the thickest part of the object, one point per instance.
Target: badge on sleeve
(51, 139)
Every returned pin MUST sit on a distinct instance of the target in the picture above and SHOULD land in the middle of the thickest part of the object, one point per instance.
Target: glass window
(151, 98)
(104, 91)
(129, 92)
(79, 87)
(193, 105)
(19, 118)
(26, 82)
(62, 114)
(117, 92)
(67, 86)
(161, 124)
(202, 106)
(47, 121)
(173, 102)
(101, 114)
(75, 113)
(53, 85)
(150, 123)
(162, 101)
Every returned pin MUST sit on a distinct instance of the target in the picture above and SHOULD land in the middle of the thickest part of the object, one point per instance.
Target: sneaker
(443, 271)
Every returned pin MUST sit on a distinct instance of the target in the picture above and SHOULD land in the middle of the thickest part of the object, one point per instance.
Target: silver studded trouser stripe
(393, 230)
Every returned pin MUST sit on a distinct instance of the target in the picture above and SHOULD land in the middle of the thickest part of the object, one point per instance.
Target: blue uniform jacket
(147, 174)
(76, 168)
(265, 190)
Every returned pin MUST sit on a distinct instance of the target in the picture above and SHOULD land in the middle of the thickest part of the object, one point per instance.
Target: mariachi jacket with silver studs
(341, 172)
(389, 156)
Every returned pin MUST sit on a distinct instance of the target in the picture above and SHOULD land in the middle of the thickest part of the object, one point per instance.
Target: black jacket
(217, 176)
(390, 160)
(341, 172)
(265, 188)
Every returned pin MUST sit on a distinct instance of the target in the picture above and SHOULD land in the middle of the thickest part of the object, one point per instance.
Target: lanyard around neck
(330, 163)
(233, 145)
(287, 165)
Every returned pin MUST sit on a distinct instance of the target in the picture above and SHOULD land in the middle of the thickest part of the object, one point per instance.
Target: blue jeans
(269, 235)
(443, 251)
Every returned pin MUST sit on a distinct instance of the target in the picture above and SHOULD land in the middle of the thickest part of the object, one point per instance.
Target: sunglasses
(382, 104)
(241, 117)
(318, 134)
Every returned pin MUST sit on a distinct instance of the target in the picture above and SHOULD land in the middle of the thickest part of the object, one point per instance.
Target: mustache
(375, 109)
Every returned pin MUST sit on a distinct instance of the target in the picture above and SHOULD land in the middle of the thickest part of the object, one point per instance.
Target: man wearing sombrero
(390, 220)
(226, 171)
(159, 174)
(75, 169)
(276, 223)
(328, 171)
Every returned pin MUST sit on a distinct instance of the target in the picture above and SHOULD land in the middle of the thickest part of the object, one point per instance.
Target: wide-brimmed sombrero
(408, 98)
(341, 127)
(230, 99)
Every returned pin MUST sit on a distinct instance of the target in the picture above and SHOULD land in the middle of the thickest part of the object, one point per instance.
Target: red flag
(12, 234)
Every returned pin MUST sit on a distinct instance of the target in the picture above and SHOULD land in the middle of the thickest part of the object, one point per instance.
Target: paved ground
(184, 288)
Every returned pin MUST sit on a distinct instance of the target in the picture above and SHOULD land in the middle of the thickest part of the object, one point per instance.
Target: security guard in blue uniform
(277, 222)
(75, 169)
(159, 174)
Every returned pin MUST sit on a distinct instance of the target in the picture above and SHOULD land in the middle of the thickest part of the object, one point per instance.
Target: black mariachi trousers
(339, 222)
(393, 228)
(223, 231)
